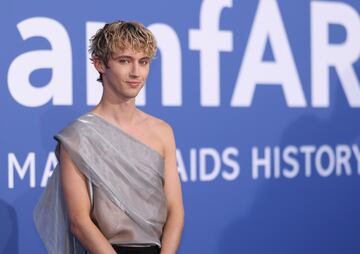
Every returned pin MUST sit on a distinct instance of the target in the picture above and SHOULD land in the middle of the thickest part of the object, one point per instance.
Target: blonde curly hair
(121, 35)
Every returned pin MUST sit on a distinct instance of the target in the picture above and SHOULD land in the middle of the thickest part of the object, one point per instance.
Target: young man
(118, 190)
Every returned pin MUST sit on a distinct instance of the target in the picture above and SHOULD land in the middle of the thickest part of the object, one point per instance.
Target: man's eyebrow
(123, 56)
(130, 57)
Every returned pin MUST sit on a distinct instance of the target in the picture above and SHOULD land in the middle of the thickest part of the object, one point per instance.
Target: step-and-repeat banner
(263, 96)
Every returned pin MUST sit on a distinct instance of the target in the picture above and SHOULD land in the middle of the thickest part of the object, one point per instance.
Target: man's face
(126, 73)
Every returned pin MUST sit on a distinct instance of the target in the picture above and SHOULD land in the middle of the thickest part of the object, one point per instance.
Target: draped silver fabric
(127, 171)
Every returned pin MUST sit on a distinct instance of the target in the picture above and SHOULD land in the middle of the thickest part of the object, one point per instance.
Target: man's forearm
(172, 232)
(91, 238)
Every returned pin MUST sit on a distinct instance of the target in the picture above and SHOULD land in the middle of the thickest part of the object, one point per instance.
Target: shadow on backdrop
(8, 229)
(305, 215)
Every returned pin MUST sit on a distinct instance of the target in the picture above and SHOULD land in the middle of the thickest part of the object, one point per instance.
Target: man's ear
(99, 65)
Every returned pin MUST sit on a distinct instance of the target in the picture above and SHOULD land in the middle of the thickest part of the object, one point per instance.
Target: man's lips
(133, 83)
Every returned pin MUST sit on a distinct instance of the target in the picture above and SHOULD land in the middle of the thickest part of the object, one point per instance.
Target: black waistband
(154, 249)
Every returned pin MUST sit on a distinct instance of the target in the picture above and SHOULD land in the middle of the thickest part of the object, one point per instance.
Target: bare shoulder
(159, 128)
(158, 125)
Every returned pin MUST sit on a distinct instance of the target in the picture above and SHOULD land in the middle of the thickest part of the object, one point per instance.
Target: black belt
(120, 249)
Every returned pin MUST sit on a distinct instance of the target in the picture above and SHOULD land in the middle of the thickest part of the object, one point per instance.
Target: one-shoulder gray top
(126, 175)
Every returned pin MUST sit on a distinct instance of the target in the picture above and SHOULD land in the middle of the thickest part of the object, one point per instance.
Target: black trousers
(136, 250)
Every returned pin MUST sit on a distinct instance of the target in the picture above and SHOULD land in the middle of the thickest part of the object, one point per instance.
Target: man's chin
(132, 95)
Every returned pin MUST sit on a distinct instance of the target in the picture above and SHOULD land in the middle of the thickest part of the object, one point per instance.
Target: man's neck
(123, 113)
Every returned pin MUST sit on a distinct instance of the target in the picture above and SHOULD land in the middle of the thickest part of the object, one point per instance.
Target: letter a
(58, 59)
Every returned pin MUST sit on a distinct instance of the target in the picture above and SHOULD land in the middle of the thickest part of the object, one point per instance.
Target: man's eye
(124, 61)
(144, 62)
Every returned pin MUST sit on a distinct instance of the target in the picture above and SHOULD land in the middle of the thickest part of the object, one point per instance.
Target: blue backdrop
(263, 96)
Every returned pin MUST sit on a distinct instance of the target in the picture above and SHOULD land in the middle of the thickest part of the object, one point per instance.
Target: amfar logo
(210, 42)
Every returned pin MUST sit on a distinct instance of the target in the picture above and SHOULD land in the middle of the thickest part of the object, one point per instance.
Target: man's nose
(135, 69)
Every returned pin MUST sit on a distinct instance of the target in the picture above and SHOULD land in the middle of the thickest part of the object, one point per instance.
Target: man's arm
(77, 200)
(175, 219)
